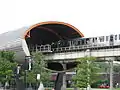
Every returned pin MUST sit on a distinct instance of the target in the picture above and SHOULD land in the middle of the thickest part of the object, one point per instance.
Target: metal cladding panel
(20, 56)
(17, 40)
(13, 41)
(11, 36)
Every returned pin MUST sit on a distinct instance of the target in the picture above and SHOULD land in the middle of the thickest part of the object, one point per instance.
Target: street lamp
(18, 69)
(28, 63)
(28, 66)
(41, 87)
(111, 74)
(37, 80)
(88, 55)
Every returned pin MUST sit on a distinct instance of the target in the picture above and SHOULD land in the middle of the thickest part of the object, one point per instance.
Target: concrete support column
(64, 78)
(59, 81)
(111, 74)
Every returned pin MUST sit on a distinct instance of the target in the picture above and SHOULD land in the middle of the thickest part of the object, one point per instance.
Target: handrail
(48, 48)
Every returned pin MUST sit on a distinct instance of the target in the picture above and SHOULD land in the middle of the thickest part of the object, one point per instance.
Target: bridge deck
(74, 52)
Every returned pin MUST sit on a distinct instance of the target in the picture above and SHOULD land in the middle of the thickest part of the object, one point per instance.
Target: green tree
(38, 67)
(104, 68)
(116, 68)
(86, 72)
(7, 65)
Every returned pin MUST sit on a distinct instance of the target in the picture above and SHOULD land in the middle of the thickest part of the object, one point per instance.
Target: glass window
(79, 43)
(100, 39)
(111, 38)
(115, 37)
(93, 40)
(96, 39)
(119, 36)
(103, 38)
(106, 38)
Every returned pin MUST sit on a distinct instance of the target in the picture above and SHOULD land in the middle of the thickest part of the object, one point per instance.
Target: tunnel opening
(50, 34)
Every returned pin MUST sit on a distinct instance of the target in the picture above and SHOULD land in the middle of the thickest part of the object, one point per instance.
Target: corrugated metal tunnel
(48, 32)
(24, 40)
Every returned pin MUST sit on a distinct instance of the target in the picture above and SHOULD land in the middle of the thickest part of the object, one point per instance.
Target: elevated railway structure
(23, 40)
(61, 43)
(75, 52)
(67, 56)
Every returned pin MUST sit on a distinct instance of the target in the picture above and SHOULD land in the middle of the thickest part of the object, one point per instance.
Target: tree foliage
(7, 65)
(86, 72)
(38, 66)
(116, 68)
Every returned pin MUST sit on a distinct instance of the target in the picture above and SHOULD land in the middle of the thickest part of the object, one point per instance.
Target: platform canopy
(48, 32)
(41, 33)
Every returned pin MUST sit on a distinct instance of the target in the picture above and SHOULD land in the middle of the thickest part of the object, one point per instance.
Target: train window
(93, 40)
(78, 42)
(115, 37)
(119, 36)
(84, 41)
(106, 38)
(101, 39)
(87, 40)
(96, 39)
(111, 38)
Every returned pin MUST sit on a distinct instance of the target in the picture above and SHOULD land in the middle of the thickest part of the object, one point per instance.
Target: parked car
(104, 86)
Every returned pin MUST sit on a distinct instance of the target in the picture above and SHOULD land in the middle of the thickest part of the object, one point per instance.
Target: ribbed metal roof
(47, 32)
(12, 36)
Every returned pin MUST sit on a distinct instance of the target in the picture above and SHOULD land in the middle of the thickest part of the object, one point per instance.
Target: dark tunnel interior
(58, 66)
(50, 33)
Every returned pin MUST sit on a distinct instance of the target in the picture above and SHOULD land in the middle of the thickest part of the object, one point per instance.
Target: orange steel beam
(52, 22)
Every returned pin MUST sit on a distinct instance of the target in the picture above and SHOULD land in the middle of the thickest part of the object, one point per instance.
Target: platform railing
(79, 47)
(48, 47)
(41, 48)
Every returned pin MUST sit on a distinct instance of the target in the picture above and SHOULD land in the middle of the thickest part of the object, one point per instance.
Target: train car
(100, 41)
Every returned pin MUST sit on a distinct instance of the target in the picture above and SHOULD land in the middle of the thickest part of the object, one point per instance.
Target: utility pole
(28, 67)
(64, 77)
(88, 55)
(111, 74)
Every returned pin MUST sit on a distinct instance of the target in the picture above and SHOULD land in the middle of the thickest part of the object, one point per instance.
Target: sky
(91, 17)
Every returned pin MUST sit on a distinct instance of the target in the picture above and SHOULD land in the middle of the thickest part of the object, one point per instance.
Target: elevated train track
(60, 42)
(39, 34)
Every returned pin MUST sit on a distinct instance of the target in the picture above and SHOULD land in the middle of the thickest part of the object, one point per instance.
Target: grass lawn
(117, 89)
(93, 89)
(70, 89)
